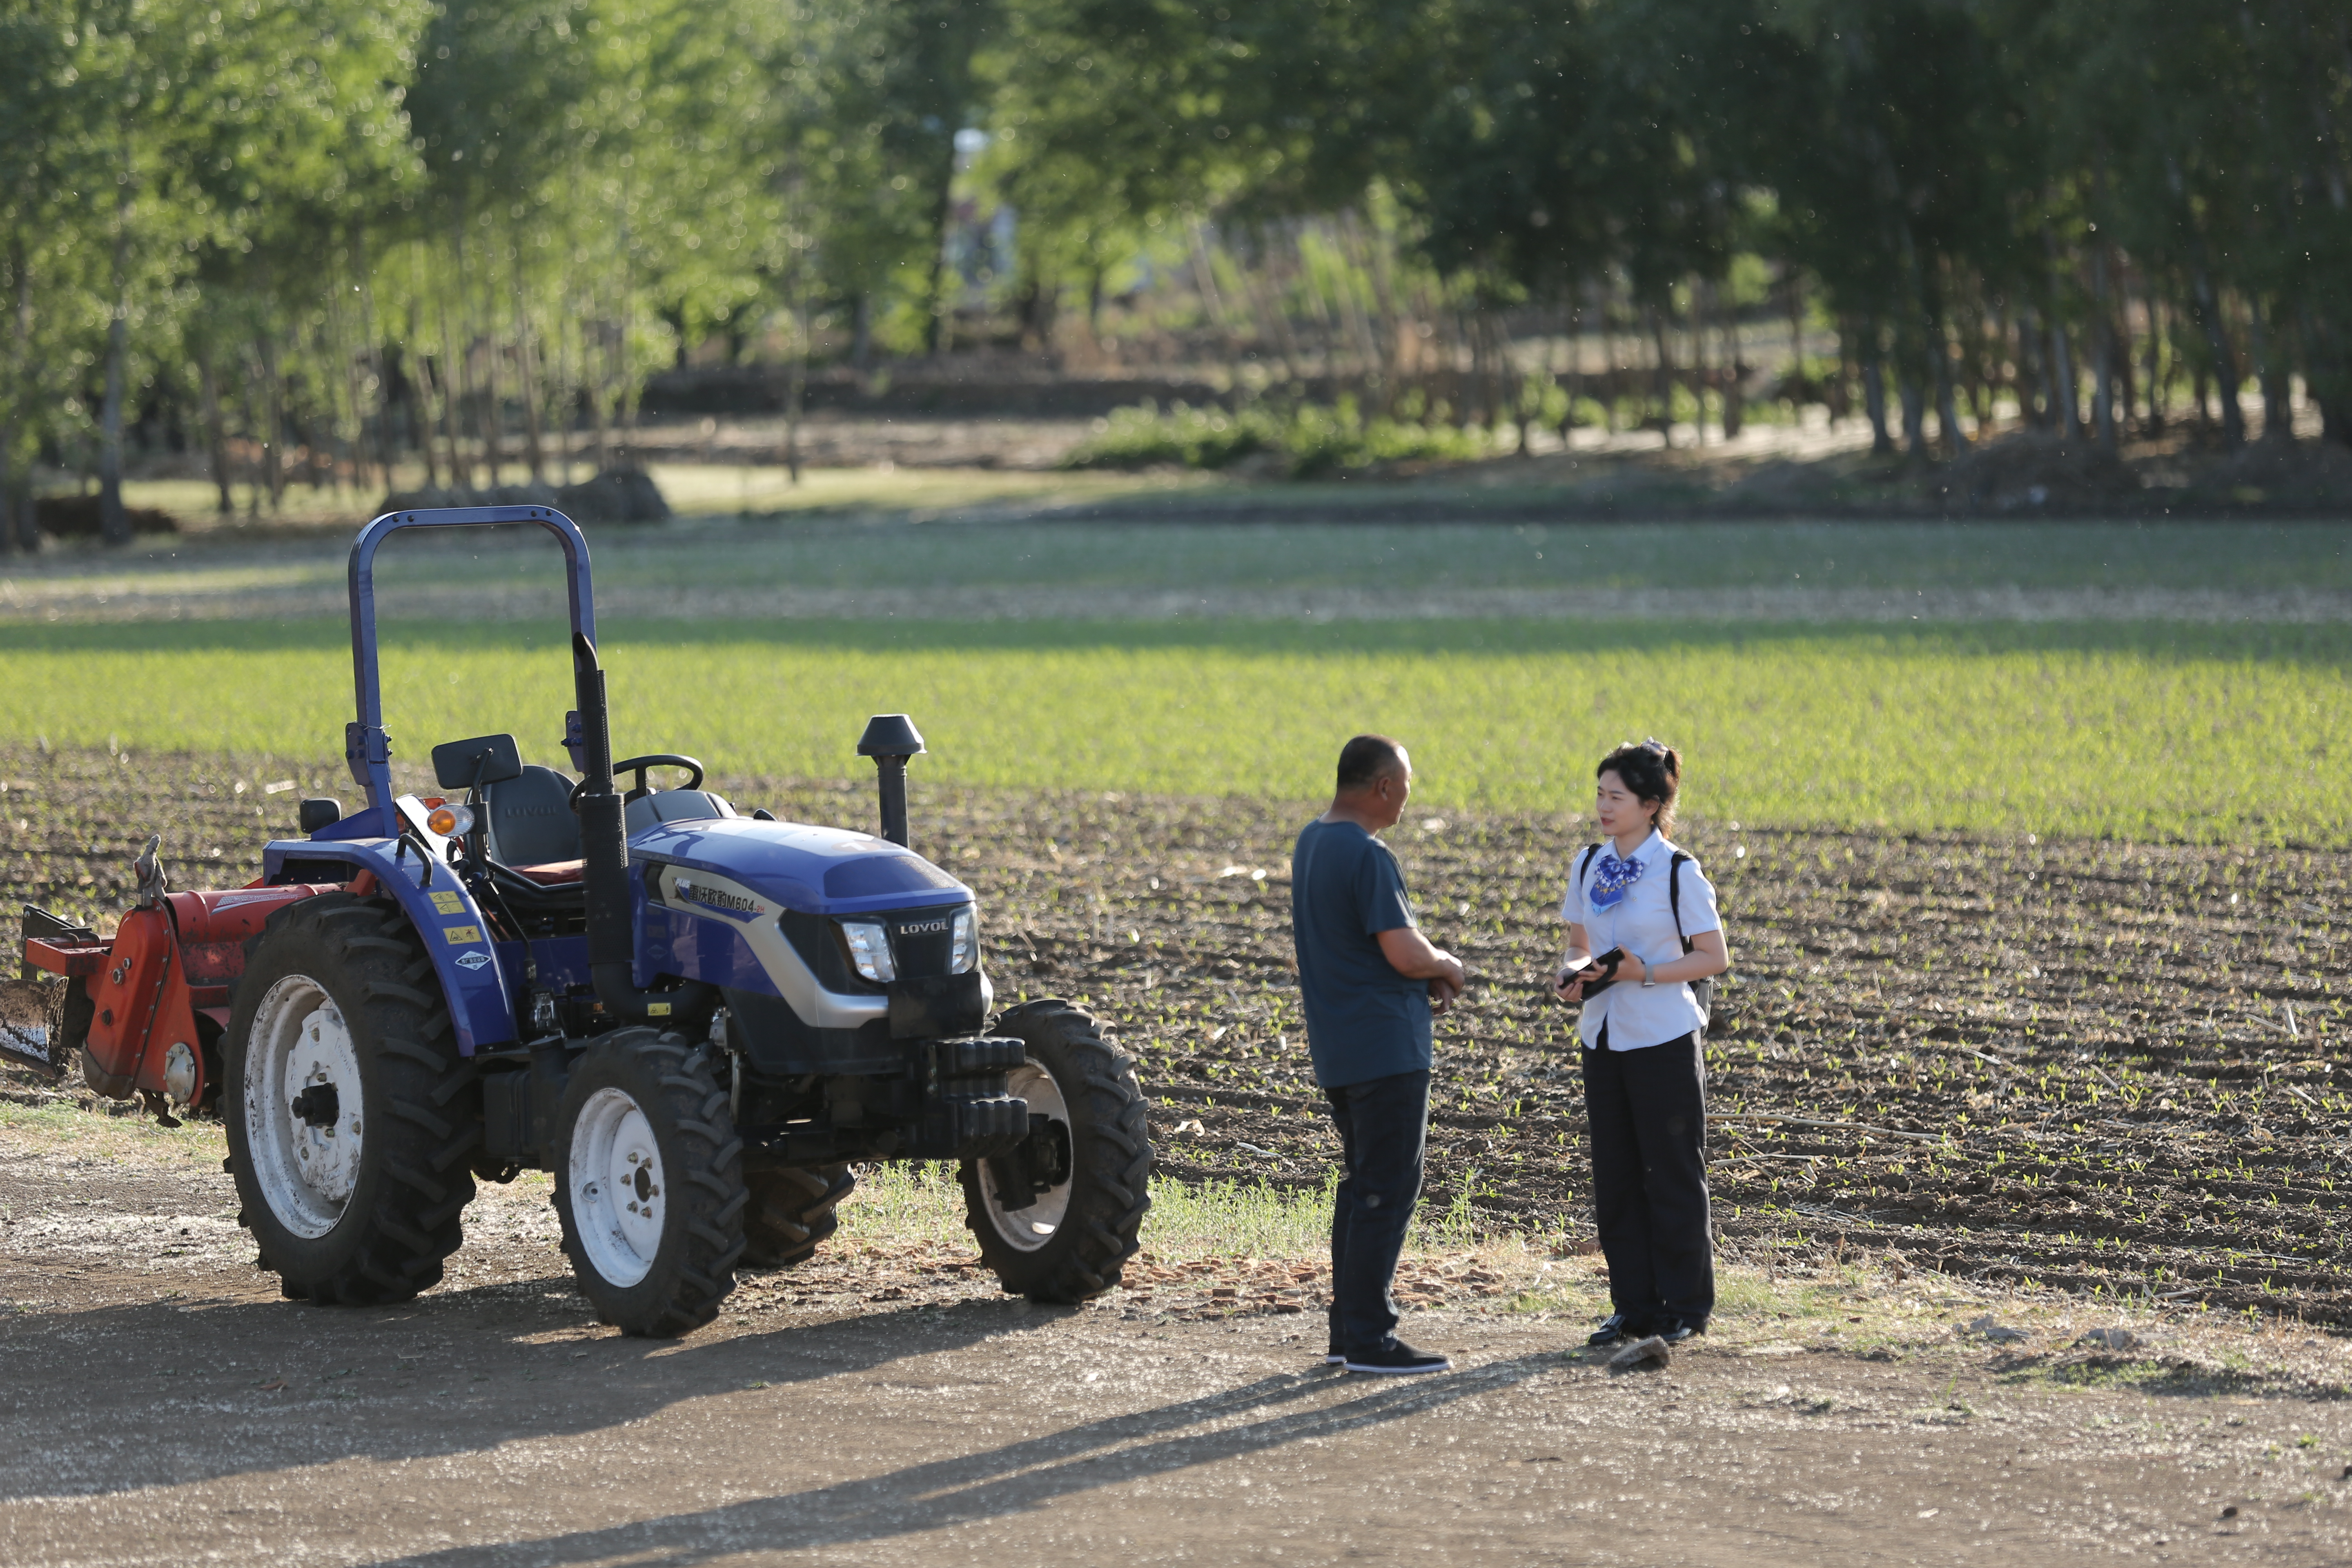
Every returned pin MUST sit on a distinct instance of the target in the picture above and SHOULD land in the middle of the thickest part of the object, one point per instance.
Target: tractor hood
(814, 870)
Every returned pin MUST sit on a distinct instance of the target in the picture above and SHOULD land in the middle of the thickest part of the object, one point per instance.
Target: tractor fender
(458, 939)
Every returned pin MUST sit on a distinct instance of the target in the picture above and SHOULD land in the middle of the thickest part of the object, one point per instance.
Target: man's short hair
(1367, 758)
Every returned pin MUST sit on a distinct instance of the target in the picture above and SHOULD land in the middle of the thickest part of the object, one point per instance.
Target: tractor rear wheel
(792, 1212)
(1058, 1217)
(650, 1183)
(350, 1117)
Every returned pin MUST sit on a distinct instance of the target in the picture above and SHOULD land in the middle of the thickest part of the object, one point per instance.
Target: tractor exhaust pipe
(891, 740)
(605, 849)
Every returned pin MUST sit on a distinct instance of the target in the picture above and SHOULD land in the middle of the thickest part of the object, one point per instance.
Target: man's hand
(1442, 994)
(1410, 954)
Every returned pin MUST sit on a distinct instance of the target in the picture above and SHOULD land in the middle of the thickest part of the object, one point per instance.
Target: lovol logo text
(716, 898)
(923, 928)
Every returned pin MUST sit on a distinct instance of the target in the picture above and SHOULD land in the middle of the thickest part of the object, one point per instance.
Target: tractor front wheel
(650, 1183)
(1058, 1217)
(350, 1117)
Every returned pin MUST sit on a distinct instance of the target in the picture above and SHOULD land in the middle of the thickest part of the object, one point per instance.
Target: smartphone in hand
(1597, 973)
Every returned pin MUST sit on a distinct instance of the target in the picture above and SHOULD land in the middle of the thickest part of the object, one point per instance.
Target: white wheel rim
(300, 1043)
(619, 1199)
(1031, 1229)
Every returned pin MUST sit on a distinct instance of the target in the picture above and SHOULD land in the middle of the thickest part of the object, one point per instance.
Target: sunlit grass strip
(2143, 733)
(924, 1202)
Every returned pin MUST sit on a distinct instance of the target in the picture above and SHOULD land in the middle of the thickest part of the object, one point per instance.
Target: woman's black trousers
(1647, 1108)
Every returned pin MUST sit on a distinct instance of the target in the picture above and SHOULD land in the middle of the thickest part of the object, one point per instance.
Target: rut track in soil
(2098, 1067)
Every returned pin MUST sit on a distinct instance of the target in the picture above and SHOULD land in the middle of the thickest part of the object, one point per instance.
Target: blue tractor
(699, 1022)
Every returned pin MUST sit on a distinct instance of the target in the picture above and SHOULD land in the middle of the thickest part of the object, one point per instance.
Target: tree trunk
(938, 331)
(796, 395)
(2104, 345)
(1663, 385)
(420, 406)
(527, 374)
(2063, 387)
(376, 441)
(1701, 378)
(1388, 327)
(1792, 293)
(1947, 403)
(1914, 393)
(2033, 400)
(351, 456)
(2155, 375)
(461, 475)
(565, 404)
(2270, 370)
(250, 422)
(491, 417)
(1735, 374)
(599, 410)
(1575, 385)
(215, 431)
(1608, 362)
(114, 523)
(2225, 358)
(861, 332)
(273, 406)
(16, 520)
(1873, 391)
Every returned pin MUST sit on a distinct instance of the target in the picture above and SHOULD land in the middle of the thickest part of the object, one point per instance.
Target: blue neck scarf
(1611, 878)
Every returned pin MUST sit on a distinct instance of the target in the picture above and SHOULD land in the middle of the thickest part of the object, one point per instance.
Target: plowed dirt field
(2106, 1067)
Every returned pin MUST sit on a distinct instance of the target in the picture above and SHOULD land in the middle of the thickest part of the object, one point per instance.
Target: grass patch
(1187, 548)
(62, 1126)
(2150, 732)
(924, 1202)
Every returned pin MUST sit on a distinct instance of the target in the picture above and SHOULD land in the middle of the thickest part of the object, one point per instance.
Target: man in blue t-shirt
(1370, 981)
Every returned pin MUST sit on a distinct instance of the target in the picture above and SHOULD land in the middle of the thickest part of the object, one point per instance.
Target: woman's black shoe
(1613, 1330)
(1397, 1359)
(1673, 1331)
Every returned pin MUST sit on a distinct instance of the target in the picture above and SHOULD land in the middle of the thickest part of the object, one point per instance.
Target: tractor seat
(674, 805)
(529, 822)
(554, 873)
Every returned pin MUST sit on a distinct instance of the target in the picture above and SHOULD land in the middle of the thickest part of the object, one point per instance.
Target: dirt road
(163, 1405)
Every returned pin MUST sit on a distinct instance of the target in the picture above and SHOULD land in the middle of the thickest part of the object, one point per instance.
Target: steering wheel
(638, 766)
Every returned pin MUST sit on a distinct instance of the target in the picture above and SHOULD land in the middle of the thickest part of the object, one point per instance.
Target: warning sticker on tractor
(458, 935)
(447, 902)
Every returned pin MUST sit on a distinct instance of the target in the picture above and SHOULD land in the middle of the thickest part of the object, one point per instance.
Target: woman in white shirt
(1644, 1031)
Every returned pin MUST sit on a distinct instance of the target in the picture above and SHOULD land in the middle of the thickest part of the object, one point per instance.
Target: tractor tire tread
(365, 947)
(1111, 1150)
(393, 990)
(792, 1212)
(693, 1270)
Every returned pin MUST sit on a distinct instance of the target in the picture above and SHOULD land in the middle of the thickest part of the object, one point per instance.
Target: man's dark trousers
(1383, 1129)
(1647, 1111)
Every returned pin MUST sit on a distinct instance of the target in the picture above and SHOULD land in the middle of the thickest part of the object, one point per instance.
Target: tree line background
(308, 239)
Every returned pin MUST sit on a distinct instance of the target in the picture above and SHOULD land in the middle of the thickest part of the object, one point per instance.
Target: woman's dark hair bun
(1652, 770)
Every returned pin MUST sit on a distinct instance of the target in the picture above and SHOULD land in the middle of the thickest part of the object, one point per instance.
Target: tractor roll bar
(366, 747)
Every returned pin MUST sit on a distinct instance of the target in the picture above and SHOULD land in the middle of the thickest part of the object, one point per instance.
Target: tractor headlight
(870, 949)
(964, 947)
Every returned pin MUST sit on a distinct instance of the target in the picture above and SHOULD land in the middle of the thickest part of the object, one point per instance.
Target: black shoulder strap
(1585, 865)
(1675, 894)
